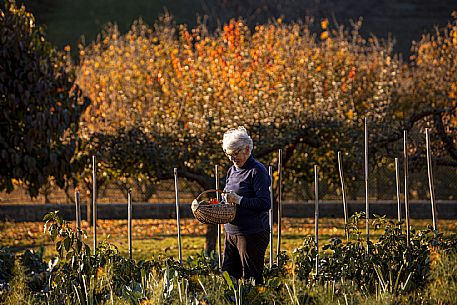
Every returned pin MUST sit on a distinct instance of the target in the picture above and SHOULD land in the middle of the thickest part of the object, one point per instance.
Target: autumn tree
(181, 89)
(40, 106)
(434, 86)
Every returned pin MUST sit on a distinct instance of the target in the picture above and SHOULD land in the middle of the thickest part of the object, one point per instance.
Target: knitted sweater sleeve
(261, 183)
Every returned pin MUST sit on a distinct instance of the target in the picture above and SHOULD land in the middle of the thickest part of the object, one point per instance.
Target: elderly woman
(248, 184)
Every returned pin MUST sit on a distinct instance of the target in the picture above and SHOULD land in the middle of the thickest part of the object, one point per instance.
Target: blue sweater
(251, 181)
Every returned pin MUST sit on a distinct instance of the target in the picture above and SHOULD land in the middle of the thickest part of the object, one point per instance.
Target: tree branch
(304, 135)
(408, 125)
(448, 141)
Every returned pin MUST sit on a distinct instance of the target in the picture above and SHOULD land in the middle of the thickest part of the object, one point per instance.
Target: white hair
(237, 138)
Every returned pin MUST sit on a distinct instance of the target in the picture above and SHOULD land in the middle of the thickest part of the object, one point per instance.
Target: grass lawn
(159, 237)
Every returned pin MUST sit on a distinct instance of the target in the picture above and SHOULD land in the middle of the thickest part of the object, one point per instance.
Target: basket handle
(209, 191)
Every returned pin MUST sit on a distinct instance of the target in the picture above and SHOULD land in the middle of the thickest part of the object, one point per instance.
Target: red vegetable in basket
(213, 201)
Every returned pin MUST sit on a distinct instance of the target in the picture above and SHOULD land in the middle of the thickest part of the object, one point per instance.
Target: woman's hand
(232, 198)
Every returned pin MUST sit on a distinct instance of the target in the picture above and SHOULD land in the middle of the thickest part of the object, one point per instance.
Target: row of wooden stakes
(316, 200)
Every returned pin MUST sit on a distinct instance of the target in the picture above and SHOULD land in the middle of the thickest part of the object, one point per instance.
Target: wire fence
(382, 186)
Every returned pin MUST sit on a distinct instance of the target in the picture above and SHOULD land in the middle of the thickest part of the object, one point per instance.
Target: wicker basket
(218, 213)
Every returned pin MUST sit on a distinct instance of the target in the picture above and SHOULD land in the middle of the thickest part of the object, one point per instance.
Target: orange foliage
(191, 83)
(436, 61)
(278, 72)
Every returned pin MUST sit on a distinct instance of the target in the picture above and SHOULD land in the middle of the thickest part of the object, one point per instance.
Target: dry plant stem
(178, 216)
(430, 180)
(343, 194)
(278, 251)
(405, 165)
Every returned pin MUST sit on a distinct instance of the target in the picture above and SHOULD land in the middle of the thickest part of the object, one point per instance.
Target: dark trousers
(244, 255)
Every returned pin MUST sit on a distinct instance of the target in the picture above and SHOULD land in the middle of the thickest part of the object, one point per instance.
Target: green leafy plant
(390, 272)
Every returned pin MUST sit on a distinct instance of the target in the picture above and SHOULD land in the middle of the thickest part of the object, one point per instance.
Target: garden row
(344, 272)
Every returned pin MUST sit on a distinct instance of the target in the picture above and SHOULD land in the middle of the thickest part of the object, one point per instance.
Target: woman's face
(238, 157)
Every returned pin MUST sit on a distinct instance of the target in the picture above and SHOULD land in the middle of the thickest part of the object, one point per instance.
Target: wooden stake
(219, 227)
(94, 203)
(397, 182)
(316, 215)
(270, 215)
(430, 180)
(405, 165)
(367, 205)
(78, 214)
(343, 193)
(278, 251)
(129, 221)
(178, 216)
